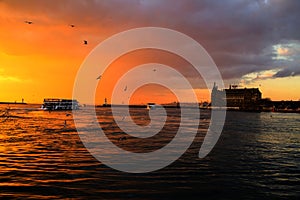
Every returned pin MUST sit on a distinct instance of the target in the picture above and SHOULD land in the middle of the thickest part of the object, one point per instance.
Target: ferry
(60, 104)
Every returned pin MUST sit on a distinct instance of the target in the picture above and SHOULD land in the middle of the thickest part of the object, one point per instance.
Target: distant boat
(151, 106)
(60, 104)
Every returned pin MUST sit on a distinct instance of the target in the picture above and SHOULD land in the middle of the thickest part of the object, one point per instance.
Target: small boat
(151, 106)
(60, 104)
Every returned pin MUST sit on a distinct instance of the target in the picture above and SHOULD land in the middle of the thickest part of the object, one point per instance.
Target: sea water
(42, 157)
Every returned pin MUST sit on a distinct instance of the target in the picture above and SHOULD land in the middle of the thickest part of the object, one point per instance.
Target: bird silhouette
(72, 25)
(125, 89)
(99, 77)
(28, 22)
(85, 42)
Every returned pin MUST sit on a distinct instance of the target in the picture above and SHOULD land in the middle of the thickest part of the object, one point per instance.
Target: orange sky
(41, 60)
(151, 92)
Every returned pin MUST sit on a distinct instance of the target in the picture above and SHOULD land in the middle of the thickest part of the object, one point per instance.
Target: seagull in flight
(99, 77)
(28, 22)
(85, 42)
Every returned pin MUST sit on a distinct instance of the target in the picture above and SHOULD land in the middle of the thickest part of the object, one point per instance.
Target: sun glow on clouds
(255, 76)
(287, 51)
(282, 51)
(267, 82)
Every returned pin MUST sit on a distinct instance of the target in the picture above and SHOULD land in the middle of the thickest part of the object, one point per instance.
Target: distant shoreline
(171, 106)
(13, 103)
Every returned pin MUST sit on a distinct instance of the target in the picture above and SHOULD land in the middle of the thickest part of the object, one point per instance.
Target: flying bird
(28, 22)
(85, 42)
(72, 25)
(99, 77)
(125, 89)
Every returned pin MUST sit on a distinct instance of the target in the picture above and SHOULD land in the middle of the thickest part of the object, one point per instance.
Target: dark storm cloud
(239, 35)
(288, 71)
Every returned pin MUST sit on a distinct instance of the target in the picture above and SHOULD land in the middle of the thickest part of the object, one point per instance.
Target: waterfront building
(237, 98)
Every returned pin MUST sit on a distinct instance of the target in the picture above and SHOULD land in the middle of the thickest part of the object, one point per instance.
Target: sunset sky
(254, 43)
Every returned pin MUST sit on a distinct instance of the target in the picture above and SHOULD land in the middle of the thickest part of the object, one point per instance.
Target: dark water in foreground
(257, 156)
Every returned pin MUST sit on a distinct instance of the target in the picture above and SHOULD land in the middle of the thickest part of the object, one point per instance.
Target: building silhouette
(236, 98)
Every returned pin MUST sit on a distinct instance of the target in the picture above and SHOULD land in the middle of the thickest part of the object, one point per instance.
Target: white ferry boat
(60, 104)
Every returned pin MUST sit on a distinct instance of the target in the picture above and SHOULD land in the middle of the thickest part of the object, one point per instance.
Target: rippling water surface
(42, 157)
